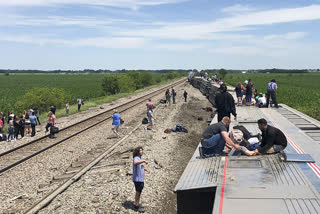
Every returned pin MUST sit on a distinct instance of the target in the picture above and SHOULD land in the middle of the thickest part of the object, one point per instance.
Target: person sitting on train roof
(273, 139)
(215, 137)
(262, 102)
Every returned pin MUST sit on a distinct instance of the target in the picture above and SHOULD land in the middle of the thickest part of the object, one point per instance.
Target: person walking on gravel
(150, 105)
(51, 123)
(185, 95)
(138, 170)
(33, 121)
(174, 94)
(151, 119)
(168, 96)
(116, 122)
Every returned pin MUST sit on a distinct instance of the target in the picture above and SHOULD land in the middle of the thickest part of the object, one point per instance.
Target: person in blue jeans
(215, 138)
(138, 176)
(116, 122)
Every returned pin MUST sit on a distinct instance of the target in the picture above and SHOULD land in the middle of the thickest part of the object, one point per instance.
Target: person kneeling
(273, 140)
(215, 137)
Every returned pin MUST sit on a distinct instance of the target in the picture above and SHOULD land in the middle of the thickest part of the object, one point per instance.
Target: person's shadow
(129, 205)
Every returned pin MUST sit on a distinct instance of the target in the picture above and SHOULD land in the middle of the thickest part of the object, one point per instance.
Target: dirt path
(105, 191)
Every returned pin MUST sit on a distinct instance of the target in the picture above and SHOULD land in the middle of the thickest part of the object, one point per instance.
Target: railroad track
(20, 154)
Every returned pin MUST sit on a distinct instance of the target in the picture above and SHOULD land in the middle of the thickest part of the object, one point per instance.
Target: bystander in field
(67, 109)
(80, 102)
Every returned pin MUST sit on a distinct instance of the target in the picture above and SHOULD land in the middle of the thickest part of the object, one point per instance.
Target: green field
(300, 91)
(86, 86)
(13, 87)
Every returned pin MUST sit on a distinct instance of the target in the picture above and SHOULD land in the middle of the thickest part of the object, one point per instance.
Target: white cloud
(237, 8)
(179, 47)
(134, 4)
(83, 21)
(287, 36)
(100, 42)
(234, 23)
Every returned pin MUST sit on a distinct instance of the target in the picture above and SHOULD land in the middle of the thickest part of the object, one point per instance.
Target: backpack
(246, 133)
(178, 128)
(236, 136)
(54, 129)
(145, 121)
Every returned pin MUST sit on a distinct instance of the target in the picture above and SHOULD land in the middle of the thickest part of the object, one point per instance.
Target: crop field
(300, 91)
(13, 87)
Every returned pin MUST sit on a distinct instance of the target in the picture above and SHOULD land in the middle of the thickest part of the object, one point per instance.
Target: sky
(159, 34)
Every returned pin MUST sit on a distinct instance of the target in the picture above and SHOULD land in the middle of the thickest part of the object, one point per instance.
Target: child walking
(10, 131)
(138, 176)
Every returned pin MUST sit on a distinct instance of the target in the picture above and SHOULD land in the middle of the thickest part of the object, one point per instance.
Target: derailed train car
(205, 87)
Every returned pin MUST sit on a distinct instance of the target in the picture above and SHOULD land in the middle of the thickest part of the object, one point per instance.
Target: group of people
(24, 125)
(253, 97)
(173, 94)
(215, 139)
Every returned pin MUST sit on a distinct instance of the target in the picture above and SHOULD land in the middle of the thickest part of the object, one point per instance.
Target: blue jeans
(213, 145)
(248, 98)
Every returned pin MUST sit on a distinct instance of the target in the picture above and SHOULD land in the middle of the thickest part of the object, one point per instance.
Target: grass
(299, 91)
(93, 102)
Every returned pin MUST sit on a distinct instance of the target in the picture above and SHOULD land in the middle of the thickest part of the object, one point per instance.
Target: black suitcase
(54, 129)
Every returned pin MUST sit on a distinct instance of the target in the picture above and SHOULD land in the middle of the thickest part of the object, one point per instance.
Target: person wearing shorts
(116, 122)
(150, 119)
(138, 170)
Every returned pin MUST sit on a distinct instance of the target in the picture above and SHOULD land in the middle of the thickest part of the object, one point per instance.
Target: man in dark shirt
(273, 140)
(248, 92)
(215, 137)
(224, 103)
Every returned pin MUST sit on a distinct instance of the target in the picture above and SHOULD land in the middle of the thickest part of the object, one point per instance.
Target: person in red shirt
(51, 123)
(1, 126)
(149, 105)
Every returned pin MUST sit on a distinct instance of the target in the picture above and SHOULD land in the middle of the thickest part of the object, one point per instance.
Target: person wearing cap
(224, 103)
(116, 122)
(273, 139)
(272, 91)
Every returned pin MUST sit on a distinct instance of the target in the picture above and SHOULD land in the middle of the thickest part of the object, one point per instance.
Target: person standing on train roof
(224, 104)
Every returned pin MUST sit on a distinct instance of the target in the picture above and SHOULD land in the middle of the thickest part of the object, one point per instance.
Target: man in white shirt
(272, 91)
(262, 102)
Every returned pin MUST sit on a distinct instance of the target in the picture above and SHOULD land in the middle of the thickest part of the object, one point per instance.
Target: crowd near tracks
(20, 154)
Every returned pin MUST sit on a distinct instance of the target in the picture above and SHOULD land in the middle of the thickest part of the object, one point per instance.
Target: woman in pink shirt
(51, 123)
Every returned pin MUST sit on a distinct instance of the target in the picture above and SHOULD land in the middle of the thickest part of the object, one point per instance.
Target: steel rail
(7, 167)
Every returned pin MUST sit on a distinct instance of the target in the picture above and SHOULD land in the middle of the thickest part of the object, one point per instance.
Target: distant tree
(126, 83)
(222, 72)
(136, 78)
(110, 84)
(42, 98)
(147, 79)
(7, 74)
